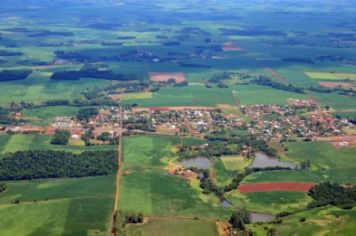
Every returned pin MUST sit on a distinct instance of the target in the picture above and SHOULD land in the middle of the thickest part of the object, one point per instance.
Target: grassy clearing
(222, 175)
(173, 228)
(330, 76)
(285, 176)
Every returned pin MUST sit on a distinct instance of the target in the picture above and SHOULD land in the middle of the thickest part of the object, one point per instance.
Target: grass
(337, 165)
(330, 76)
(173, 228)
(222, 175)
(284, 176)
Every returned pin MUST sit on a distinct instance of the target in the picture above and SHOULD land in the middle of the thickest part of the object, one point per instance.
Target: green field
(325, 220)
(23, 142)
(271, 202)
(45, 115)
(336, 165)
(148, 188)
(331, 76)
(57, 207)
(173, 228)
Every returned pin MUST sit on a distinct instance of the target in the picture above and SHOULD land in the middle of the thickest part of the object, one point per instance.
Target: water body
(263, 161)
(225, 203)
(199, 162)
(261, 217)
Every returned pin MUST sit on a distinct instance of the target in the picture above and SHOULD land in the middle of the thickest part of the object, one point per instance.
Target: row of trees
(124, 218)
(265, 81)
(10, 75)
(56, 164)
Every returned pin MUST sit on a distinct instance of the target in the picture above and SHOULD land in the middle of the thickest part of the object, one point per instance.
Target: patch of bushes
(3, 187)
(332, 194)
(60, 137)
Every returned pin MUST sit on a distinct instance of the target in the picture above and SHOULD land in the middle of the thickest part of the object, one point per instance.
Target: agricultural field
(73, 206)
(163, 83)
(173, 227)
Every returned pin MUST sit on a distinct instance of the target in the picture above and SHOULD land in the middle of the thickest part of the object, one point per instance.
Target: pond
(225, 203)
(199, 162)
(263, 161)
(260, 217)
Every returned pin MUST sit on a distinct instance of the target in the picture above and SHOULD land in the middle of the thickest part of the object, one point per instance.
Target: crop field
(146, 187)
(58, 58)
(336, 165)
(45, 115)
(271, 202)
(174, 228)
(331, 76)
(65, 206)
(23, 142)
(325, 220)
(275, 186)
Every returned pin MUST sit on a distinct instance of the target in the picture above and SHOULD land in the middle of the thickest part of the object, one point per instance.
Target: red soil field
(164, 77)
(274, 186)
(230, 47)
(336, 84)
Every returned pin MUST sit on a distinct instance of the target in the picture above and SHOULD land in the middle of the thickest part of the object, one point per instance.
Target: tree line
(56, 164)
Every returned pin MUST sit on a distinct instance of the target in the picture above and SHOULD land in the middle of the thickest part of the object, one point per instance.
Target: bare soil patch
(166, 76)
(273, 186)
(337, 84)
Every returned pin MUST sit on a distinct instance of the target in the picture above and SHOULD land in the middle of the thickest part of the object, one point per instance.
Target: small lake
(199, 162)
(263, 161)
(260, 217)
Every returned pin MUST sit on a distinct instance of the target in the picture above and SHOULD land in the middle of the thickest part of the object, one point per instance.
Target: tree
(239, 218)
(86, 113)
(60, 137)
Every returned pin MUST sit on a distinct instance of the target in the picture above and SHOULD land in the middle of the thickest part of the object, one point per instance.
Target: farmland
(177, 117)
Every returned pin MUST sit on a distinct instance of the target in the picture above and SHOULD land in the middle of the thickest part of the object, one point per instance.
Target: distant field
(45, 115)
(134, 96)
(173, 228)
(330, 76)
(38, 88)
(335, 101)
